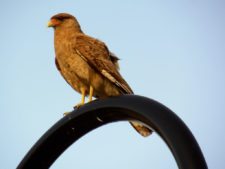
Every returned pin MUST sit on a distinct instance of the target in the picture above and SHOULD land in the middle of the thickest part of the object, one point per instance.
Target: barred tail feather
(141, 129)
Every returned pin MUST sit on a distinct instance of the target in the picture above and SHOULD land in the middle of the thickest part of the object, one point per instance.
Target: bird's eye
(61, 19)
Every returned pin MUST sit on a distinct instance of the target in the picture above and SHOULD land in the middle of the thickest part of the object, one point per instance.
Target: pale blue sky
(171, 51)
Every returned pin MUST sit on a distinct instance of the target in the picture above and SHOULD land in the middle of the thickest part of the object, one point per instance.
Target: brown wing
(96, 54)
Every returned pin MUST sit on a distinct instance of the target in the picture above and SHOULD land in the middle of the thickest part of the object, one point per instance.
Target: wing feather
(96, 54)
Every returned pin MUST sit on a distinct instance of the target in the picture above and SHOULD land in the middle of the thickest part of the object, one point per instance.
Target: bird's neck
(62, 35)
(65, 33)
(63, 40)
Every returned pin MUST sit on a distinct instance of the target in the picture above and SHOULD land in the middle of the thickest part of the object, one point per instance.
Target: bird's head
(64, 20)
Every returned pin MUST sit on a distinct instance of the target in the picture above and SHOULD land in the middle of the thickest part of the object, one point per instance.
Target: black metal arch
(70, 128)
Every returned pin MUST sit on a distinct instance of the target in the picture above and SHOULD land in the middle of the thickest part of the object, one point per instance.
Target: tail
(141, 129)
(125, 89)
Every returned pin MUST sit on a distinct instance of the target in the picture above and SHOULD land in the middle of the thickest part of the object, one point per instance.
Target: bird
(87, 64)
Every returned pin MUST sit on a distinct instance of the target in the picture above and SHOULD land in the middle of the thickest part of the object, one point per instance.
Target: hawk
(87, 64)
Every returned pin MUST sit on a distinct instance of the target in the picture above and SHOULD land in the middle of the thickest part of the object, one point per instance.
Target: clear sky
(171, 51)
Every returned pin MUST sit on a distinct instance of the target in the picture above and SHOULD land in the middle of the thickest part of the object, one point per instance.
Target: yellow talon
(82, 98)
(79, 105)
(83, 92)
(66, 113)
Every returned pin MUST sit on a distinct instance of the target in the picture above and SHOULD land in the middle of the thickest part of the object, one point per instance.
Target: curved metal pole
(70, 128)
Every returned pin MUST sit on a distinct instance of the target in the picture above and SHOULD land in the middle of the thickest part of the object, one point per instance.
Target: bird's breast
(72, 67)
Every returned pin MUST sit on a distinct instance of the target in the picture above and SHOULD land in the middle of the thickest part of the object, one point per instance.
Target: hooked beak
(50, 24)
(53, 23)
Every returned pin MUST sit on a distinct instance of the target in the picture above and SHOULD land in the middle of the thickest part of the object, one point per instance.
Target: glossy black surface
(70, 128)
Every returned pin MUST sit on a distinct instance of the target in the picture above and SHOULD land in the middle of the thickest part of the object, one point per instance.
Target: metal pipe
(159, 118)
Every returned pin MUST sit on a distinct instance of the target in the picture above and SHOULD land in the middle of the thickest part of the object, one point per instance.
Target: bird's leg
(83, 92)
(83, 96)
(91, 90)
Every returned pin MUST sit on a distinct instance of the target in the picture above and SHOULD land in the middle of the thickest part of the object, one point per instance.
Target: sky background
(171, 51)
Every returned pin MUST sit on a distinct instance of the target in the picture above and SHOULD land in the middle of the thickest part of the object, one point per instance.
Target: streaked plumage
(87, 64)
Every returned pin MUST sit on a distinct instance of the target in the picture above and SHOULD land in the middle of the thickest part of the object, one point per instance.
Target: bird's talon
(66, 113)
(78, 106)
